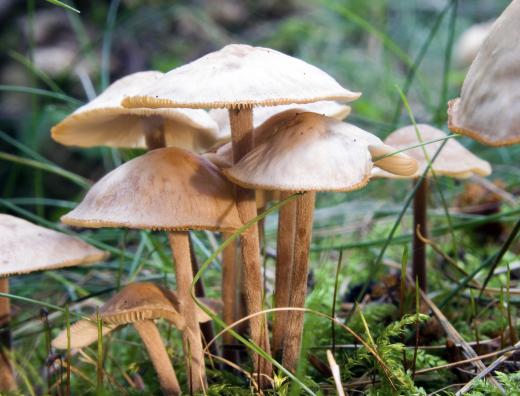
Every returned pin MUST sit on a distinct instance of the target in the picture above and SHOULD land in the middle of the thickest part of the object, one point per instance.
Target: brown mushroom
(138, 304)
(453, 161)
(166, 189)
(25, 248)
(238, 78)
(311, 153)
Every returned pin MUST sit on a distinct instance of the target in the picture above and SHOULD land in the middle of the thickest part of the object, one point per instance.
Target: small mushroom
(453, 161)
(239, 78)
(104, 122)
(138, 304)
(25, 248)
(487, 108)
(173, 190)
(311, 153)
(470, 41)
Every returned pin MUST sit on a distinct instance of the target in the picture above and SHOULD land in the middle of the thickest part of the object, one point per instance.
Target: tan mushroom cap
(488, 109)
(104, 122)
(239, 76)
(454, 160)
(135, 302)
(164, 189)
(26, 247)
(312, 152)
(262, 114)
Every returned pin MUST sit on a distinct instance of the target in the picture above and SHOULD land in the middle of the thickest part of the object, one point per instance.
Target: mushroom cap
(470, 41)
(135, 302)
(104, 122)
(312, 152)
(239, 76)
(262, 114)
(164, 189)
(26, 247)
(454, 160)
(487, 109)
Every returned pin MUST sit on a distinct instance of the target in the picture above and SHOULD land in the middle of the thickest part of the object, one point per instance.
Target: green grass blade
(64, 5)
(40, 92)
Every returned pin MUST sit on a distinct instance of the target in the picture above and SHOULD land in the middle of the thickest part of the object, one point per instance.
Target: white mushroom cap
(262, 114)
(312, 152)
(240, 76)
(488, 109)
(104, 122)
(26, 247)
(469, 43)
(454, 160)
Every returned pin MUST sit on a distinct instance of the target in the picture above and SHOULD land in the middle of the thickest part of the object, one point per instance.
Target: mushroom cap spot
(262, 114)
(454, 160)
(488, 109)
(27, 247)
(135, 302)
(241, 76)
(104, 122)
(165, 189)
(308, 152)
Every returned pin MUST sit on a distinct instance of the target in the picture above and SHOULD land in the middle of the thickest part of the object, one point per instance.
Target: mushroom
(173, 190)
(25, 248)
(104, 122)
(486, 108)
(238, 78)
(453, 161)
(311, 153)
(470, 41)
(138, 304)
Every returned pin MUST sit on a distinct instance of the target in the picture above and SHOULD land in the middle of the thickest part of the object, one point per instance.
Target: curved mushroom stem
(302, 241)
(7, 381)
(420, 203)
(192, 339)
(161, 361)
(207, 327)
(284, 265)
(229, 296)
(241, 121)
(154, 132)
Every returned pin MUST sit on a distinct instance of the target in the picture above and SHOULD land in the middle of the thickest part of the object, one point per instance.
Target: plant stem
(207, 327)
(161, 361)
(241, 122)
(284, 265)
(7, 381)
(229, 296)
(420, 203)
(302, 241)
(192, 339)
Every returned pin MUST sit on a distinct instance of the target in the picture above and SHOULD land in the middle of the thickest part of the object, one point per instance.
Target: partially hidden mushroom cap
(454, 160)
(488, 108)
(104, 122)
(262, 114)
(26, 247)
(312, 152)
(135, 302)
(239, 76)
(164, 189)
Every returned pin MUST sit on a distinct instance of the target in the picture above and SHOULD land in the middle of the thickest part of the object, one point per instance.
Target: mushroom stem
(284, 265)
(302, 241)
(154, 133)
(229, 296)
(163, 367)
(241, 121)
(420, 203)
(207, 327)
(192, 339)
(7, 381)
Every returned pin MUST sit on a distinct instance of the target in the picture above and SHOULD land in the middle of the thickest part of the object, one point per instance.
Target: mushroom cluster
(225, 134)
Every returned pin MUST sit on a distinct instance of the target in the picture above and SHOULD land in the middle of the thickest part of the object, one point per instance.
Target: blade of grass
(40, 92)
(64, 5)
(334, 297)
(107, 42)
